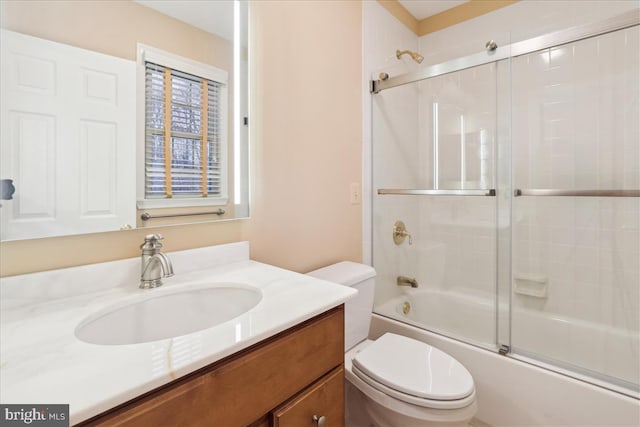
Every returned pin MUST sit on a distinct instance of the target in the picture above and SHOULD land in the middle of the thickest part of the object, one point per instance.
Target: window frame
(186, 65)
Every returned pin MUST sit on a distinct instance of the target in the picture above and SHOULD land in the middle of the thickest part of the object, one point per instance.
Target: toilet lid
(414, 368)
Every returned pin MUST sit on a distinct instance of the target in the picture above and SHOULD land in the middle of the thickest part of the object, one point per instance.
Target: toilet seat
(414, 372)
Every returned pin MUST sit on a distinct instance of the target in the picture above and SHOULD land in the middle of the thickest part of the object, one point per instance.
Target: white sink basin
(168, 314)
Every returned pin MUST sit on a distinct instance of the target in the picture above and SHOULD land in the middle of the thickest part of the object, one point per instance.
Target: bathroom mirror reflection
(87, 88)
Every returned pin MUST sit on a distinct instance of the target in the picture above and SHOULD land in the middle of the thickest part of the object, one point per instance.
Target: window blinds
(183, 134)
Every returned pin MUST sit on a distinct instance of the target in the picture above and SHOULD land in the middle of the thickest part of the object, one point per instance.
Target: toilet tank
(357, 314)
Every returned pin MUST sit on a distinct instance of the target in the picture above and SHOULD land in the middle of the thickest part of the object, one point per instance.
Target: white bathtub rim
(393, 309)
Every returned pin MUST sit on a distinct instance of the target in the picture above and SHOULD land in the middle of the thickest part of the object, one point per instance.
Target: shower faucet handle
(400, 232)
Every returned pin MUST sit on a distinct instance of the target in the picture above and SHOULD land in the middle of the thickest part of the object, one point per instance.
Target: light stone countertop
(42, 361)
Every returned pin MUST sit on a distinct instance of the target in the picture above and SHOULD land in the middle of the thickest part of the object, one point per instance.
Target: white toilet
(395, 381)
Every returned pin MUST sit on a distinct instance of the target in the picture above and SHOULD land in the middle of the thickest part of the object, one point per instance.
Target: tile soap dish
(530, 285)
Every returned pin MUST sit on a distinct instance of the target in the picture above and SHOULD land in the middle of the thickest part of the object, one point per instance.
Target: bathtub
(474, 318)
(517, 390)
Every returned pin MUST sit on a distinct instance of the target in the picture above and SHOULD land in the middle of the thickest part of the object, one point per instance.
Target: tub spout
(407, 281)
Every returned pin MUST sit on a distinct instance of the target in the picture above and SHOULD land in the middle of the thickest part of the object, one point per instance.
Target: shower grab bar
(625, 20)
(576, 193)
(410, 192)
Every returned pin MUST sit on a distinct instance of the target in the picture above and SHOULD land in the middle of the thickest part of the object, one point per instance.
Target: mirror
(75, 111)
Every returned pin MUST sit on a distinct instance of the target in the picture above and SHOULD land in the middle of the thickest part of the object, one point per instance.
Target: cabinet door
(325, 399)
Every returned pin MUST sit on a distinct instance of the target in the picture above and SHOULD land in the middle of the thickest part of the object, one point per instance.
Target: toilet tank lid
(345, 273)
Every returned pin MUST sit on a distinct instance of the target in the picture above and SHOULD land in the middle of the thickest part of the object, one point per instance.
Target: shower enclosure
(516, 175)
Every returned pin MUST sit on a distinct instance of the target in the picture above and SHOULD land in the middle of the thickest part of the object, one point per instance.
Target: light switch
(355, 193)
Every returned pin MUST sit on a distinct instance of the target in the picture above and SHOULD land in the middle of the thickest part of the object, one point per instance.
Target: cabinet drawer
(181, 405)
(325, 398)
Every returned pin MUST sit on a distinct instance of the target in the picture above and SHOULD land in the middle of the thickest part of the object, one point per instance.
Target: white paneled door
(67, 139)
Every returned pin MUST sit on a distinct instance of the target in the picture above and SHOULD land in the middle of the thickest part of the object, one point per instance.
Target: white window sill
(181, 202)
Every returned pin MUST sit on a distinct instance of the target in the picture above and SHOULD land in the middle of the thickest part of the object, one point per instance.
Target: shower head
(414, 55)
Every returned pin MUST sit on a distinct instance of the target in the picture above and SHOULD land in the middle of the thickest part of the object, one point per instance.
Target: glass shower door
(576, 242)
(517, 184)
(434, 162)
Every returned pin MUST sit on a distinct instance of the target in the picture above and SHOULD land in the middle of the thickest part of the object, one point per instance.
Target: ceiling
(216, 16)
(422, 9)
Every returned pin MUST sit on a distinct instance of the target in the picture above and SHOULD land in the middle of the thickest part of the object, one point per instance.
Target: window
(185, 138)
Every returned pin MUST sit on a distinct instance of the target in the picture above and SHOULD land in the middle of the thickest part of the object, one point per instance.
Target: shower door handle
(575, 193)
(491, 192)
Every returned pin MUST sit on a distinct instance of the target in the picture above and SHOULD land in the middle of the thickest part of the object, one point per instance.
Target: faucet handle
(152, 241)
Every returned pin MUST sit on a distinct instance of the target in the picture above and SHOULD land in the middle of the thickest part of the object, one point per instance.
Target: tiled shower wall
(575, 126)
(570, 116)
(458, 117)
(383, 34)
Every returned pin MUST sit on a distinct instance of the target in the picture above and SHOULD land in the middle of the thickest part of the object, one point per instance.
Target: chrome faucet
(406, 281)
(155, 264)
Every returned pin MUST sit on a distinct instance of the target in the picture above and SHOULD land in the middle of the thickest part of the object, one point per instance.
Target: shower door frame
(512, 50)
(493, 55)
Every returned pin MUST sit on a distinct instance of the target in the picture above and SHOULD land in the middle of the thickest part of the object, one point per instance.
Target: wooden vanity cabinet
(325, 399)
(282, 381)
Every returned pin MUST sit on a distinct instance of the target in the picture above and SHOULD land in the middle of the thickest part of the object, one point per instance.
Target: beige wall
(307, 123)
(306, 150)
(463, 12)
(113, 28)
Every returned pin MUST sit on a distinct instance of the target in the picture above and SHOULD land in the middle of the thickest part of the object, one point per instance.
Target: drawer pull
(320, 420)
